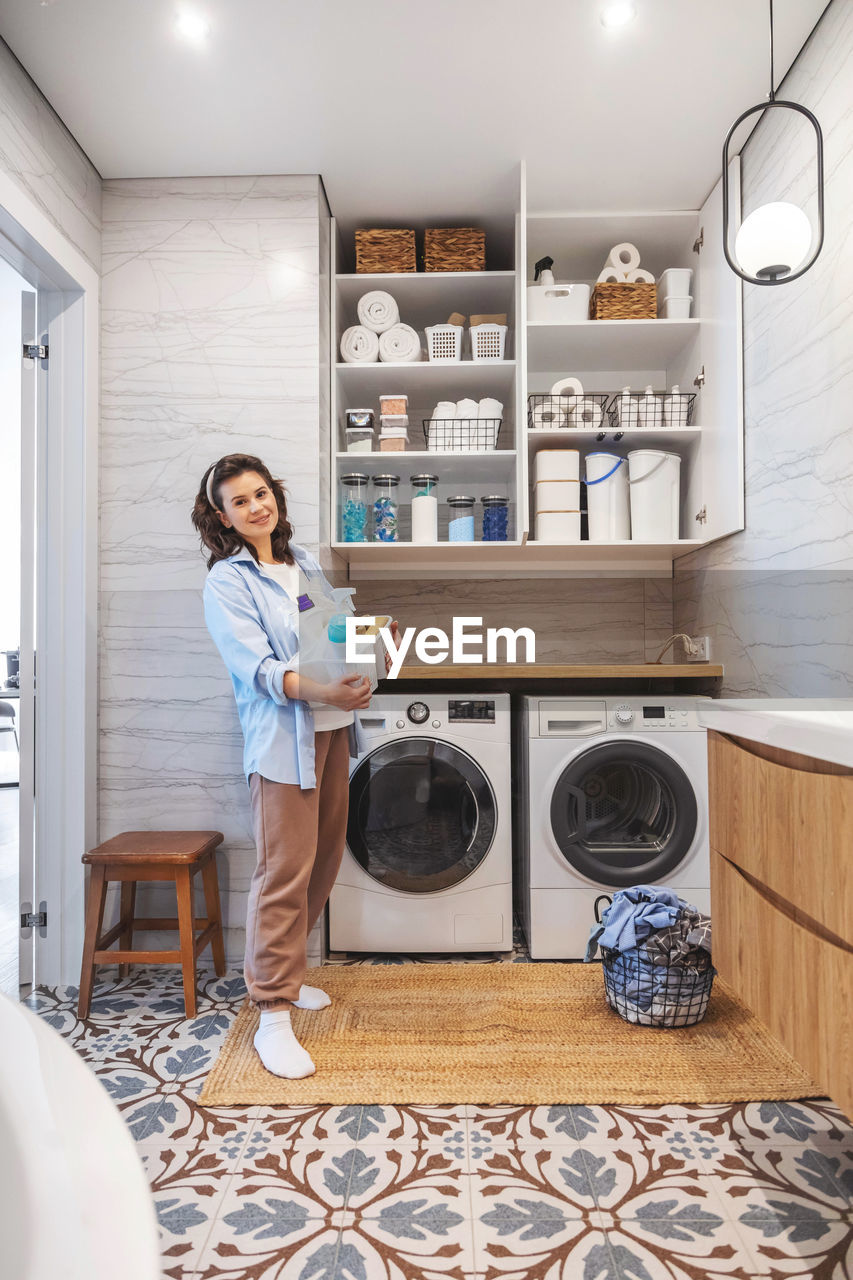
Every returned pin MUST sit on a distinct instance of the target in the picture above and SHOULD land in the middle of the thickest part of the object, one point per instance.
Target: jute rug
(498, 1033)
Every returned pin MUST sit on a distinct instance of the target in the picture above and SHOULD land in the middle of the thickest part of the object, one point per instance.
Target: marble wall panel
(40, 154)
(797, 547)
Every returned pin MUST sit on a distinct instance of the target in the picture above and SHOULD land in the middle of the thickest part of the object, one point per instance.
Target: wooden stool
(152, 855)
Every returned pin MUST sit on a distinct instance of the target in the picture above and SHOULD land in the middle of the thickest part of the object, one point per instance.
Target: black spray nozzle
(544, 264)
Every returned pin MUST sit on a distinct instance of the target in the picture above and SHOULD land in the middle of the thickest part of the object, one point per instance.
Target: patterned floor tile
(186, 1212)
(433, 1241)
(319, 1177)
(789, 1122)
(381, 1176)
(577, 1248)
(419, 1126)
(269, 1241)
(307, 1125)
(508, 1183)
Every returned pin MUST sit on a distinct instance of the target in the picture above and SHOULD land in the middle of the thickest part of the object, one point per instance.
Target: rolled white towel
(467, 409)
(399, 345)
(378, 311)
(440, 435)
(359, 346)
(490, 408)
(444, 409)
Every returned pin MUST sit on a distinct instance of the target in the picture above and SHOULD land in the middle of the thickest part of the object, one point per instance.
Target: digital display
(654, 713)
(471, 709)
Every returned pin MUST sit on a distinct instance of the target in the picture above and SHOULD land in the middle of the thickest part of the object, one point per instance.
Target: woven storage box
(615, 301)
(454, 249)
(384, 250)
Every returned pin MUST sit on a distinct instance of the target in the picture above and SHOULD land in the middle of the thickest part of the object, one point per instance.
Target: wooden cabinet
(780, 830)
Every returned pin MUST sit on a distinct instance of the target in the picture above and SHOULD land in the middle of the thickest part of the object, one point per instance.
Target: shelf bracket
(699, 241)
(702, 516)
(699, 380)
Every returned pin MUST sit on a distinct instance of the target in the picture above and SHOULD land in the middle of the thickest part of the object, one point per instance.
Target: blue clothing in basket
(632, 916)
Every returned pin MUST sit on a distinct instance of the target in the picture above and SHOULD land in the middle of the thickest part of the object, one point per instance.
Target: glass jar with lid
(495, 518)
(424, 509)
(354, 507)
(385, 508)
(461, 526)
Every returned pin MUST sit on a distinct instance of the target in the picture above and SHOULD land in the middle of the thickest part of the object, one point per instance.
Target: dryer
(614, 792)
(428, 860)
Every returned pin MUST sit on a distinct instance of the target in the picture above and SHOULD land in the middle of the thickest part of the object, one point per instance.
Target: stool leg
(128, 910)
(186, 926)
(94, 921)
(214, 913)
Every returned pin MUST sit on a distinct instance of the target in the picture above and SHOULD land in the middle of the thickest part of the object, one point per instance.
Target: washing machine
(614, 792)
(428, 860)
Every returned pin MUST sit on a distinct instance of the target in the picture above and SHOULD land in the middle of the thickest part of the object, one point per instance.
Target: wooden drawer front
(789, 828)
(798, 984)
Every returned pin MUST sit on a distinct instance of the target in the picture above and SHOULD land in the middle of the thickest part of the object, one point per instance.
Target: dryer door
(422, 815)
(624, 813)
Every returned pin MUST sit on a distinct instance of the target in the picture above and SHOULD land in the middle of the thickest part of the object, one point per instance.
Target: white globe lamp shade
(773, 241)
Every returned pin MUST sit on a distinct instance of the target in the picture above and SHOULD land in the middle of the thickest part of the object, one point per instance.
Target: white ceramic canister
(655, 484)
(557, 464)
(557, 495)
(607, 498)
(558, 526)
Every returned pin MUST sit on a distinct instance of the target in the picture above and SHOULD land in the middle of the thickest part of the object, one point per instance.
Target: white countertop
(817, 727)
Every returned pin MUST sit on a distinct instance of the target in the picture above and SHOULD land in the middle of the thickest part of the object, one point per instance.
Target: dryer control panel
(584, 718)
(652, 713)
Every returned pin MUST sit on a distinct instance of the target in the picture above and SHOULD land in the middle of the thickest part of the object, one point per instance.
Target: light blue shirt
(255, 626)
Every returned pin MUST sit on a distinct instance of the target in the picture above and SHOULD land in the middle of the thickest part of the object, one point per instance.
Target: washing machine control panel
(623, 715)
(664, 713)
(418, 713)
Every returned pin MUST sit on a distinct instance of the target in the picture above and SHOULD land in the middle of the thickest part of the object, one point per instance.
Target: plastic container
(676, 408)
(670, 308)
(557, 464)
(487, 342)
(393, 421)
(558, 526)
(607, 498)
(354, 507)
(424, 509)
(393, 444)
(650, 410)
(626, 411)
(558, 303)
(461, 526)
(557, 495)
(444, 342)
(393, 404)
(337, 628)
(655, 484)
(360, 418)
(359, 439)
(385, 508)
(495, 518)
(675, 282)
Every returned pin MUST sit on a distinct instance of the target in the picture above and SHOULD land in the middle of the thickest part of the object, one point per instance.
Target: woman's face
(249, 507)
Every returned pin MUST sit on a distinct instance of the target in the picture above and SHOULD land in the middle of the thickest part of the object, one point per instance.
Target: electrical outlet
(702, 649)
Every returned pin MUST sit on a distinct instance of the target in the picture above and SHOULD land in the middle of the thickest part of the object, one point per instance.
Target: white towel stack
(378, 311)
(379, 335)
(623, 266)
(454, 427)
(399, 345)
(359, 346)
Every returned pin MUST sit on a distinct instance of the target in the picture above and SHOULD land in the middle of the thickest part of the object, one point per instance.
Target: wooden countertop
(557, 671)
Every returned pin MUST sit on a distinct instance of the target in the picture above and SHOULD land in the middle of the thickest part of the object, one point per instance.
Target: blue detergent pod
(337, 628)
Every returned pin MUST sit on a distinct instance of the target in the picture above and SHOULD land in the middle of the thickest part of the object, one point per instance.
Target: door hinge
(702, 516)
(34, 920)
(699, 380)
(35, 351)
(699, 241)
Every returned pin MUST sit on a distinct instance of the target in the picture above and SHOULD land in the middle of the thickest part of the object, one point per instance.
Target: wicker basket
(615, 301)
(454, 249)
(384, 250)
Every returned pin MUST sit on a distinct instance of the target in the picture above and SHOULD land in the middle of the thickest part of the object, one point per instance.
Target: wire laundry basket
(653, 994)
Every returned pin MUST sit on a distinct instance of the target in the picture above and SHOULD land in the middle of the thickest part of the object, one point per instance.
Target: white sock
(277, 1046)
(312, 998)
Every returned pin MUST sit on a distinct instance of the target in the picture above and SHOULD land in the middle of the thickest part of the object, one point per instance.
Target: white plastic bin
(670, 308)
(655, 484)
(557, 464)
(607, 498)
(675, 282)
(487, 342)
(558, 303)
(445, 342)
(558, 526)
(557, 495)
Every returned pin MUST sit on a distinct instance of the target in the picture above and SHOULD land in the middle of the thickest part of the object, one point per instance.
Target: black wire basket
(655, 993)
(461, 435)
(641, 411)
(566, 412)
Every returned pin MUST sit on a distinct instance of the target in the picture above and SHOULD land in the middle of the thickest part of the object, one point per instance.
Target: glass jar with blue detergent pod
(495, 518)
(354, 507)
(385, 508)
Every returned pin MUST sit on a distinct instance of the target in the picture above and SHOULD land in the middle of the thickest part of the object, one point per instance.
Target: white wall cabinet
(703, 353)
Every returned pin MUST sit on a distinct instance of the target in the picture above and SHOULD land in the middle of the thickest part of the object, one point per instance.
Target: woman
(298, 732)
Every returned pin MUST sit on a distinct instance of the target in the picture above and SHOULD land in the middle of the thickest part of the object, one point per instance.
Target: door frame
(59, 738)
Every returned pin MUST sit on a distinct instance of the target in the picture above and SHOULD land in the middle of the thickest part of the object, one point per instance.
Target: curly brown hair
(215, 537)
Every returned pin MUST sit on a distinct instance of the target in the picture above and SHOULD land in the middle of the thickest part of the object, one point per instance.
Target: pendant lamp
(772, 244)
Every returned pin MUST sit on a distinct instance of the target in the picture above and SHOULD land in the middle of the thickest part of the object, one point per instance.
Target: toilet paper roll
(639, 275)
(567, 386)
(612, 275)
(585, 412)
(624, 257)
(548, 415)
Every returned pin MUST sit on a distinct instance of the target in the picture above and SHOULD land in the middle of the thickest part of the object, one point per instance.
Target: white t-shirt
(325, 717)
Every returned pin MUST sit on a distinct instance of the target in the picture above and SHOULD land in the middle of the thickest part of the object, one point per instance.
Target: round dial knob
(418, 712)
(623, 715)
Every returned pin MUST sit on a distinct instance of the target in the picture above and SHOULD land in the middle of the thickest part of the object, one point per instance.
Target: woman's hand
(350, 693)
(395, 631)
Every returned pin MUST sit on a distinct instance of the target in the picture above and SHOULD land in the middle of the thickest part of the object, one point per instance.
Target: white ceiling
(413, 111)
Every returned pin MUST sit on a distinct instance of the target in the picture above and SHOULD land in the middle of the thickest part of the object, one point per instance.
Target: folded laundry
(378, 311)
(359, 345)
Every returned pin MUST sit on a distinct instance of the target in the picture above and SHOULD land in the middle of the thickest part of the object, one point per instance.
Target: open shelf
(475, 467)
(607, 344)
(639, 438)
(440, 381)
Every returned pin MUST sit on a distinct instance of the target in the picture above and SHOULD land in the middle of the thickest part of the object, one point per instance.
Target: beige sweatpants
(300, 837)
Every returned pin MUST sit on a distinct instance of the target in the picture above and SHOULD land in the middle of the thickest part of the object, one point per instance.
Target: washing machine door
(624, 813)
(422, 815)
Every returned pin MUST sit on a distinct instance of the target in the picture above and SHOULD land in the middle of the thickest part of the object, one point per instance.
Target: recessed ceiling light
(618, 14)
(192, 26)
